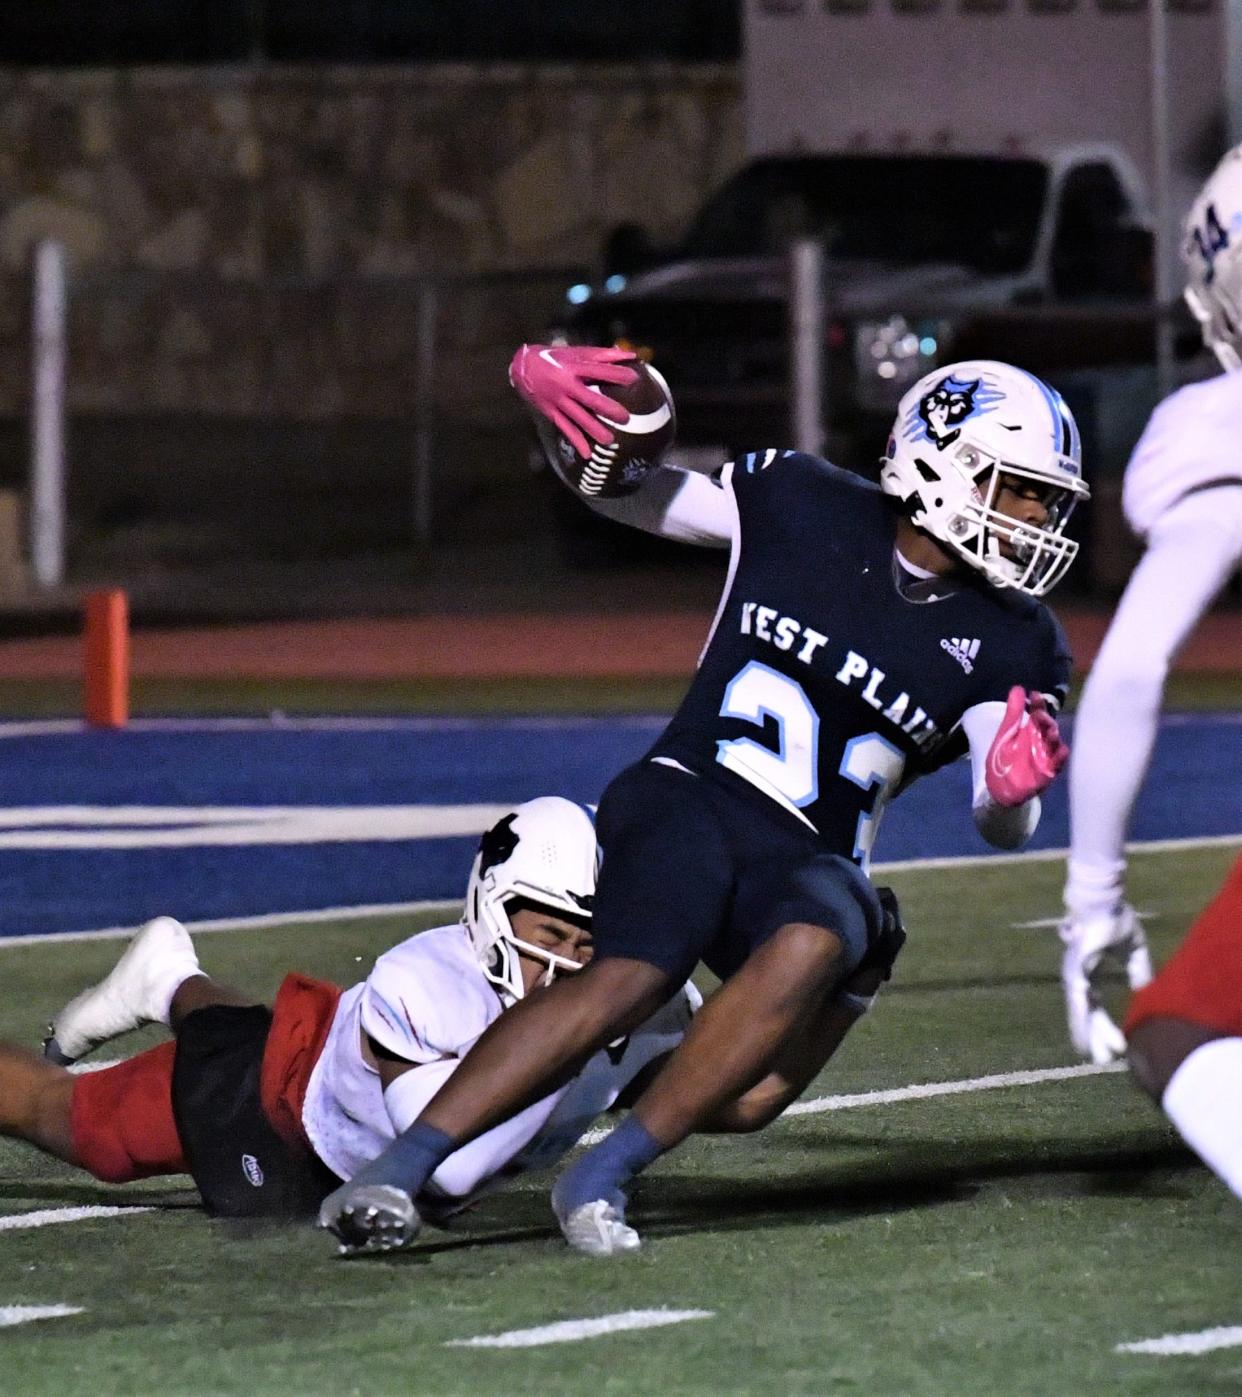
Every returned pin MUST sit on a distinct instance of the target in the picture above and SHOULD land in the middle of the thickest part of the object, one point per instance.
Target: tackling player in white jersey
(1182, 496)
(270, 1109)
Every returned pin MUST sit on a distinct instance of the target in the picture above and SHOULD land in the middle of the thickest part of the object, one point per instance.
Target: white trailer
(1001, 77)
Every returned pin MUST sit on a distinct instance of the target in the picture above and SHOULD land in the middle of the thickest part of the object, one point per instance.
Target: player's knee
(807, 952)
(121, 1119)
(828, 914)
(1157, 1047)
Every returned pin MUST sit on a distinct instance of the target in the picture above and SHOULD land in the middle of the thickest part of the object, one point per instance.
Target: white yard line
(47, 1217)
(1047, 923)
(1031, 1078)
(569, 1331)
(255, 923)
(1140, 846)
(282, 722)
(922, 1091)
(63, 828)
(411, 722)
(24, 1314)
(396, 909)
(1170, 1345)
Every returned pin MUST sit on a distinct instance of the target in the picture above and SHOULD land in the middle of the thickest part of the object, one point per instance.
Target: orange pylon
(107, 659)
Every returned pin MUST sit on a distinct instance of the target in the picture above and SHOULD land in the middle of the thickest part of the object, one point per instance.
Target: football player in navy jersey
(866, 636)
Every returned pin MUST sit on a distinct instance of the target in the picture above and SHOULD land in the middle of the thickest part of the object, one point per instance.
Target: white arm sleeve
(1003, 826)
(468, 1168)
(676, 504)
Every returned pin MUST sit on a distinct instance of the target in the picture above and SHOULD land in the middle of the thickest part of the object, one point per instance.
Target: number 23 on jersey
(791, 771)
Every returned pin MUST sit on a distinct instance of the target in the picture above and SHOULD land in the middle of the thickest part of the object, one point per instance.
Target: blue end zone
(1194, 790)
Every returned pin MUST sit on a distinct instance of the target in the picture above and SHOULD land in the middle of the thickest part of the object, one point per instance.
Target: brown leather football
(637, 446)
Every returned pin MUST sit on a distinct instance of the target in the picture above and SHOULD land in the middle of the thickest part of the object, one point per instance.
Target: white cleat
(598, 1228)
(137, 990)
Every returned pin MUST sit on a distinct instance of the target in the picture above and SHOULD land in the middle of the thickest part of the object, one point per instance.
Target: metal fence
(210, 419)
(208, 416)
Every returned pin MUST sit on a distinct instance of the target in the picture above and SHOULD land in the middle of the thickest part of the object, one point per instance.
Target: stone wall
(251, 242)
(248, 249)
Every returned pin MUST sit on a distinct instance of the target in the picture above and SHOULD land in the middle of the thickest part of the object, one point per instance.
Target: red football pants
(1202, 980)
(122, 1117)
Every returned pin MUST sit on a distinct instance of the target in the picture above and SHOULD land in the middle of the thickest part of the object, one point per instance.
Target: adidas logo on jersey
(963, 651)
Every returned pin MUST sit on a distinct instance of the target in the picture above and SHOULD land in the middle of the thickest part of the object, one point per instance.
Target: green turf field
(987, 1241)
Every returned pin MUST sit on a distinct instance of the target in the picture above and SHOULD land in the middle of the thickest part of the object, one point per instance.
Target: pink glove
(1027, 751)
(556, 381)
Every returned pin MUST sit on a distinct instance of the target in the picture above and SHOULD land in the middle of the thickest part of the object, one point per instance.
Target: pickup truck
(930, 257)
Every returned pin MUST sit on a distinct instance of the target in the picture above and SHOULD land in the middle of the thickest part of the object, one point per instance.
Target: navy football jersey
(822, 684)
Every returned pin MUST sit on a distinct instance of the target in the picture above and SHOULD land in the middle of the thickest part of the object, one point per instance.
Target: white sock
(1204, 1100)
(1094, 889)
(166, 992)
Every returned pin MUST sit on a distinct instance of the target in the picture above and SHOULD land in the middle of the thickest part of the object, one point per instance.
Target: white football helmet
(957, 430)
(544, 853)
(1212, 252)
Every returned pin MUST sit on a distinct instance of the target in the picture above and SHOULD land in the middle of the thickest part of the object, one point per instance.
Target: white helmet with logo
(1212, 252)
(958, 432)
(543, 854)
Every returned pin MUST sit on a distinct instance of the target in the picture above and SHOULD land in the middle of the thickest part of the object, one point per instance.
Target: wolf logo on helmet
(992, 424)
(544, 854)
(938, 415)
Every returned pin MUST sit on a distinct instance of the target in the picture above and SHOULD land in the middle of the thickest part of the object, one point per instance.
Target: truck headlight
(892, 354)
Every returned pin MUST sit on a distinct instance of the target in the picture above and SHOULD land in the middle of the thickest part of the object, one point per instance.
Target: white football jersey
(427, 1001)
(1194, 436)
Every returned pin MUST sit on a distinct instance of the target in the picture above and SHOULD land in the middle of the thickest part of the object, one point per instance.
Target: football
(637, 446)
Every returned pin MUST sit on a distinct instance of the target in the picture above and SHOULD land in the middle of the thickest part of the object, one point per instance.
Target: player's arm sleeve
(677, 504)
(693, 508)
(469, 1168)
(1003, 826)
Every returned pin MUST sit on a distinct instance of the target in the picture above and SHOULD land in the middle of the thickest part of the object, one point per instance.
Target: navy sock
(410, 1160)
(608, 1167)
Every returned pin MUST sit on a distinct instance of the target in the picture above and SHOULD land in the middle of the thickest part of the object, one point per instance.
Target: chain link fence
(209, 417)
(213, 419)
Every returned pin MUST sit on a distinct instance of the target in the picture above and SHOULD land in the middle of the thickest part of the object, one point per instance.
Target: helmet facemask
(503, 965)
(1032, 558)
